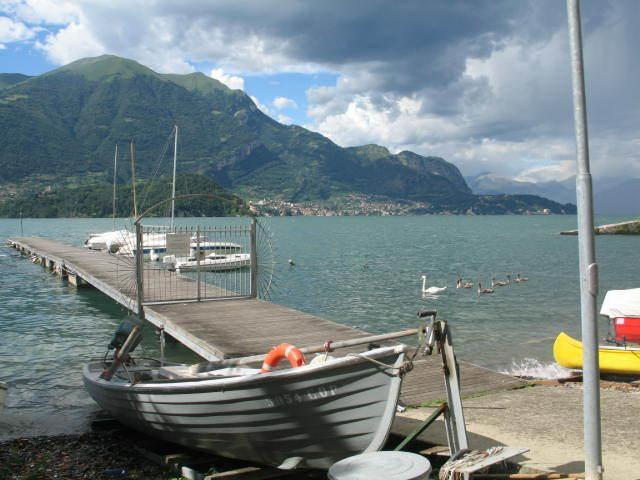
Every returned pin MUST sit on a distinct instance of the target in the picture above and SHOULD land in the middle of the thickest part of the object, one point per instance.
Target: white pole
(115, 170)
(173, 186)
(588, 265)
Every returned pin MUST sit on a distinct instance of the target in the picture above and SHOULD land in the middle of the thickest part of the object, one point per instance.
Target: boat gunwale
(195, 384)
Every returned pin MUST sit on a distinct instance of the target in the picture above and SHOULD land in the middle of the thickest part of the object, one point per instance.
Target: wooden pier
(240, 326)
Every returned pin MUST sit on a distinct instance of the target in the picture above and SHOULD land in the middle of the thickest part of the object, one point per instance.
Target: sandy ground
(548, 420)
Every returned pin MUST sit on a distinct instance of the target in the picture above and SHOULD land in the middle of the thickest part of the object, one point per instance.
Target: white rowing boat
(311, 416)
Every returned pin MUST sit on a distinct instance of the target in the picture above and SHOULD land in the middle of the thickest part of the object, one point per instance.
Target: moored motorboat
(214, 263)
(313, 415)
(567, 352)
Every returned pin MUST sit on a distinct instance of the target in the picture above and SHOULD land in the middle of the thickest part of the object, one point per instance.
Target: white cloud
(560, 171)
(284, 119)
(15, 31)
(490, 93)
(283, 102)
(231, 81)
(261, 106)
(71, 43)
(50, 12)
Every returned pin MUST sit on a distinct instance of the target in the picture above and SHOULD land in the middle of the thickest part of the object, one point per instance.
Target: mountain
(492, 184)
(622, 198)
(8, 79)
(612, 196)
(60, 128)
(96, 200)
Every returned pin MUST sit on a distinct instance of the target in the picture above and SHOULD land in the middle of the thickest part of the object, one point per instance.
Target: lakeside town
(363, 205)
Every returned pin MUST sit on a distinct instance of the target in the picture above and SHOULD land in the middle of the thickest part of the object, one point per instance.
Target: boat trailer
(463, 461)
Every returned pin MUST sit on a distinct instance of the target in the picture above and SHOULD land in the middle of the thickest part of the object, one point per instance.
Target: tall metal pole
(133, 178)
(588, 265)
(115, 171)
(173, 185)
(139, 270)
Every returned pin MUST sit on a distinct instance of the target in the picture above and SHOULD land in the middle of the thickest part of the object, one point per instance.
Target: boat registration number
(293, 398)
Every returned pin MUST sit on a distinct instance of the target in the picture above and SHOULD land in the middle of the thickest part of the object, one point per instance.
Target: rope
(403, 369)
(449, 471)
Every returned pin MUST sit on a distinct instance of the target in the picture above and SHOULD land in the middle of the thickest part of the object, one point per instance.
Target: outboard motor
(122, 333)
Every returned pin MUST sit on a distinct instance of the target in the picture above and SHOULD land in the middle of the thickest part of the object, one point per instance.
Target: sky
(483, 84)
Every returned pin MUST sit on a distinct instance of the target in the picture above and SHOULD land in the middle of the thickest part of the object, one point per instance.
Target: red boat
(623, 309)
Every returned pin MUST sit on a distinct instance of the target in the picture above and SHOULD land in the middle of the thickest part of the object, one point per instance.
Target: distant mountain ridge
(60, 129)
(612, 196)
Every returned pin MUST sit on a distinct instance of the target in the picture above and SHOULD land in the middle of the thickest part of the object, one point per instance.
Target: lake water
(361, 271)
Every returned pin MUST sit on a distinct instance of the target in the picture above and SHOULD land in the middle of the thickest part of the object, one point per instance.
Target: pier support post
(75, 280)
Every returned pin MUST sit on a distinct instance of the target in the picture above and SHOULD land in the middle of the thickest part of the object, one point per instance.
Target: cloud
(560, 171)
(261, 106)
(483, 83)
(15, 31)
(284, 119)
(70, 43)
(283, 102)
(231, 81)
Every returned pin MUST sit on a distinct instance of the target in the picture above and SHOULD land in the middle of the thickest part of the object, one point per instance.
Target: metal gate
(195, 262)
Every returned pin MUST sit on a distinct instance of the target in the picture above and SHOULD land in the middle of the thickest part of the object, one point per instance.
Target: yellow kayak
(568, 352)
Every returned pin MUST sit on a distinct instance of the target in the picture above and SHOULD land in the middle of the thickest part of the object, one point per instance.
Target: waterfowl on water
(430, 290)
(520, 279)
(497, 283)
(483, 291)
(460, 283)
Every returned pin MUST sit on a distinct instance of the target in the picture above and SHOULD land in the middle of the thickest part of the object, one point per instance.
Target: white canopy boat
(110, 241)
(312, 415)
(154, 247)
(214, 263)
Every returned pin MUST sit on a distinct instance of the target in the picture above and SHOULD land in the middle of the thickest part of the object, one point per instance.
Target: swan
(496, 283)
(482, 291)
(460, 283)
(430, 290)
(520, 279)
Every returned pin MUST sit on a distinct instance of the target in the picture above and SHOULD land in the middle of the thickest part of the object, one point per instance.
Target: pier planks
(247, 326)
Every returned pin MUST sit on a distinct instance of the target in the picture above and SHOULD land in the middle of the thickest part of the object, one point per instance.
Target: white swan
(430, 290)
(520, 279)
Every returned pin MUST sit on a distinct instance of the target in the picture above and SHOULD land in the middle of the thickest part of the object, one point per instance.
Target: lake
(360, 271)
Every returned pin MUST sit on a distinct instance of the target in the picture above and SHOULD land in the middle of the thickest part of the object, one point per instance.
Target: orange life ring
(284, 350)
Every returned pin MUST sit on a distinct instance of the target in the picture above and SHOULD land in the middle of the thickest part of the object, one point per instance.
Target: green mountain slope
(65, 123)
(8, 79)
(60, 128)
(96, 200)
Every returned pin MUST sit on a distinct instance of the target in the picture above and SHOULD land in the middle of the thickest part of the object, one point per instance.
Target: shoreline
(629, 227)
(544, 417)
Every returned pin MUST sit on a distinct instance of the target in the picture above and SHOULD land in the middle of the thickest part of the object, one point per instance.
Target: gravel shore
(96, 455)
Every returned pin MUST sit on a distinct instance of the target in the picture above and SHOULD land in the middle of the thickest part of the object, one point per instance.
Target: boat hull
(231, 262)
(319, 413)
(567, 352)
